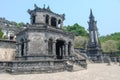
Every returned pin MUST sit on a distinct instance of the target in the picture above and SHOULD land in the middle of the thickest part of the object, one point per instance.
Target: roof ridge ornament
(44, 6)
(48, 8)
(36, 7)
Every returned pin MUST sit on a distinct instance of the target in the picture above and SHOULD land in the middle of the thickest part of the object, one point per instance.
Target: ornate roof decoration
(38, 9)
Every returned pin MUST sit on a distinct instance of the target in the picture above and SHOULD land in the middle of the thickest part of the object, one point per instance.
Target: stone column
(61, 24)
(56, 23)
(66, 49)
(71, 49)
(115, 60)
(49, 21)
(54, 49)
(63, 50)
(17, 49)
(47, 52)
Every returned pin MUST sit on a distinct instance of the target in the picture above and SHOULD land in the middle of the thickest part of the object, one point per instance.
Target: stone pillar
(60, 51)
(49, 21)
(61, 24)
(54, 49)
(46, 41)
(56, 23)
(63, 50)
(71, 49)
(115, 60)
(66, 49)
(17, 49)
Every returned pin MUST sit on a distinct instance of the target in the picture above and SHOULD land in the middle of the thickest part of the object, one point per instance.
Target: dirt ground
(94, 72)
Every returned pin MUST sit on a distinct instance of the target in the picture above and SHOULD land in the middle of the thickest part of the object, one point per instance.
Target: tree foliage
(79, 41)
(77, 29)
(109, 46)
(1, 33)
(115, 38)
(80, 32)
(21, 24)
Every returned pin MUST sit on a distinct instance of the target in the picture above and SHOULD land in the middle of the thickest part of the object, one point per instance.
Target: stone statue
(108, 58)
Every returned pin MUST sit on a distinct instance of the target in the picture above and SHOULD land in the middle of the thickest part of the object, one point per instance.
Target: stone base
(41, 66)
(23, 67)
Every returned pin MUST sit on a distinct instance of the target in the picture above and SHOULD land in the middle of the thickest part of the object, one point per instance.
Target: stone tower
(94, 48)
(44, 39)
(43, 46)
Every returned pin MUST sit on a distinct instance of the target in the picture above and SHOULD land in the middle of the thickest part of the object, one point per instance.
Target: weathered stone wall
(40, 18)
(7, 50)
(7, 54)
(35, 39)
(58, 36)
(36, 45)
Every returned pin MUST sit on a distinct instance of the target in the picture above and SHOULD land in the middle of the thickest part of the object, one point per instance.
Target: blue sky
(106, 12)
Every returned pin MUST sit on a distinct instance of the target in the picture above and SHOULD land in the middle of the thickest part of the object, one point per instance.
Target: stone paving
(94, 72)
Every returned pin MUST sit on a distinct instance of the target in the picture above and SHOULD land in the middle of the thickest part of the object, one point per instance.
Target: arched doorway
(53, 22)
(69, 48)
(22, 47)
(60, 49)
(33, 19)
(47, 19)
(59, 23)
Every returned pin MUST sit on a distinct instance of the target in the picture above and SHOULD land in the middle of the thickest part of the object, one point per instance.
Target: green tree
(1, 34)
(109, 46)
(115, 36)
(77, 29)
(79, 41)
(21, 24)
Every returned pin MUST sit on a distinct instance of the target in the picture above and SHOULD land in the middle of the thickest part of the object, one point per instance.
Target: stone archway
(59, 23)
(69, 48)
(53, 21)
(60, 49)
(47, 19)
(33, 19)
(22, 47)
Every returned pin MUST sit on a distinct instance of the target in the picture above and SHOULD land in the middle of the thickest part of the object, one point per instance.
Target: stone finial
(29, 11)
(48, 8)
(35, 6)
(91, 14)
(63, 15)
(44, 6)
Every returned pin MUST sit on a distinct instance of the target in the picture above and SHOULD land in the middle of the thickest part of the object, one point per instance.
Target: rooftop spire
(48, 8)
(91, 14)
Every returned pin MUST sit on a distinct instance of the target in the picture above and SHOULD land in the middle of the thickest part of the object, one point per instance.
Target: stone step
(77, 68)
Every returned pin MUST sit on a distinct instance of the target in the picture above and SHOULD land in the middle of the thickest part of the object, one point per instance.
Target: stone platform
(39, 66)
(47, 66)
